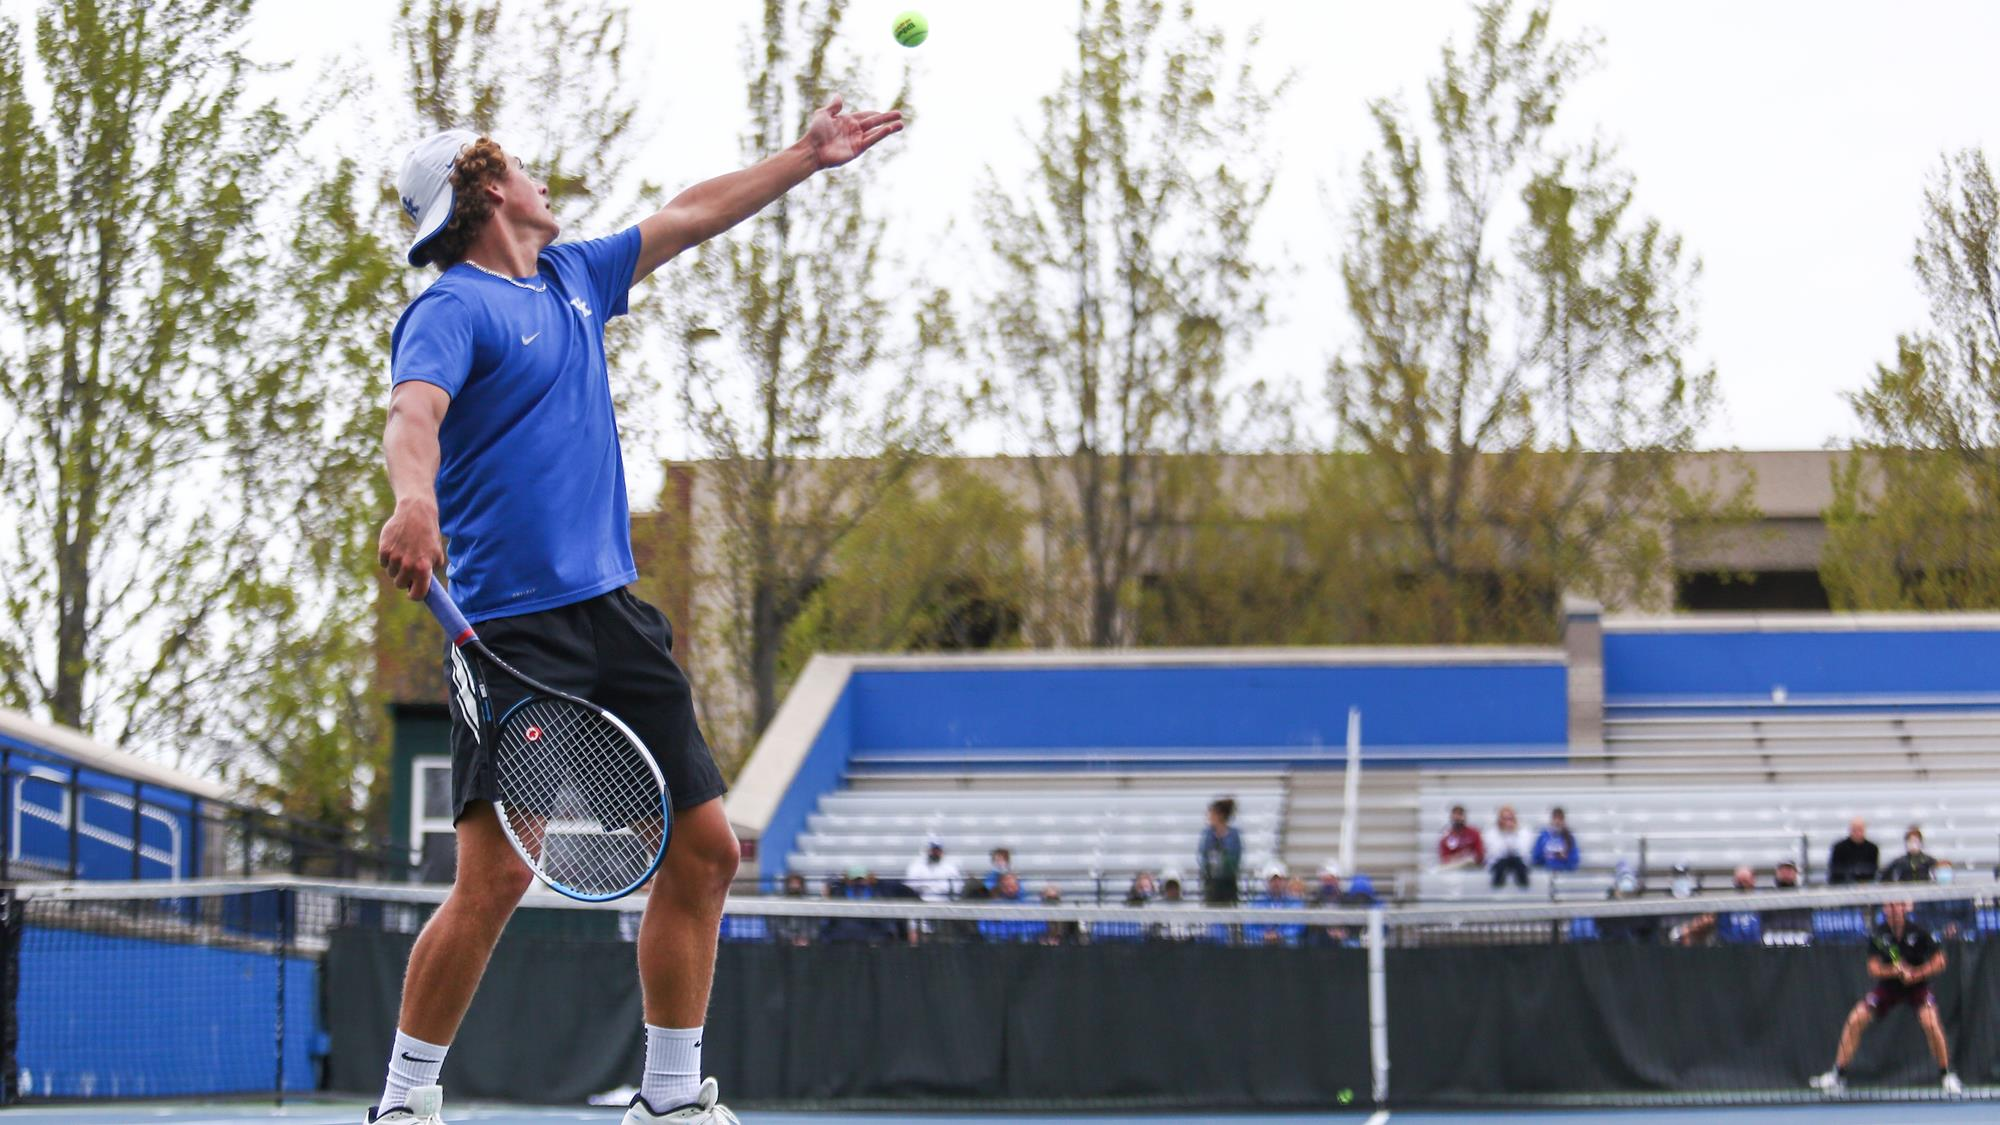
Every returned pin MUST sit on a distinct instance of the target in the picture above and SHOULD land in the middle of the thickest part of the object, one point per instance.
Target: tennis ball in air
(912, 28)
(1346, 1096)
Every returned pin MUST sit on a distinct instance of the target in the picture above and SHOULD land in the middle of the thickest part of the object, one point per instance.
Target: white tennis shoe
(422, 1107)
(1953, 1088)
(1829, 1083)
(704, 1110)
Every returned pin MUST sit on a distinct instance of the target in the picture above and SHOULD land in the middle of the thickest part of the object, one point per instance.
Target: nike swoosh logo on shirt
(525, 340)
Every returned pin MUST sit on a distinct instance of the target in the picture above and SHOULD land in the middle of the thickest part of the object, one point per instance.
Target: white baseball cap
(424, 185)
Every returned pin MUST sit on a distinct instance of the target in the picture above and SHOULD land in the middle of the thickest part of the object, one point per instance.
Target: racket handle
(446, 611)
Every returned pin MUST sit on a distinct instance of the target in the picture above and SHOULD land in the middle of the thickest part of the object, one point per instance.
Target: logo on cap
(410, 205)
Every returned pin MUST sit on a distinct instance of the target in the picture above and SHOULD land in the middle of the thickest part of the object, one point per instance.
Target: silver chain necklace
(532, 287)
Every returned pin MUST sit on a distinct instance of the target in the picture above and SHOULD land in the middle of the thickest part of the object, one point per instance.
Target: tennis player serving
(502, 442)
(1903, 957)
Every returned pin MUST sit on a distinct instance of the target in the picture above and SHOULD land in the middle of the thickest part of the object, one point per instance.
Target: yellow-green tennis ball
(1346, 1096)
(912, 28)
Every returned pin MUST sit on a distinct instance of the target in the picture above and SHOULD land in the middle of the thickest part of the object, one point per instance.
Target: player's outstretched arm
(412, 548)
(708, 208)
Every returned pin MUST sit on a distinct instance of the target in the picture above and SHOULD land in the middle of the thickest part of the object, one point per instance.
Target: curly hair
(482, 164)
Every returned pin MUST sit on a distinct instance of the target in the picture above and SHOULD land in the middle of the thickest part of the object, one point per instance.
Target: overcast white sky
(1787, 140)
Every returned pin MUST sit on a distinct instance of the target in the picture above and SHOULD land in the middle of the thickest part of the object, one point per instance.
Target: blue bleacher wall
(1912, 665)
(38, 776)
(1229, 715)
(111, 1016)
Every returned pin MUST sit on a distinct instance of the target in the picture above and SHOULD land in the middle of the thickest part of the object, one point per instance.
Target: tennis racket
(580, 798)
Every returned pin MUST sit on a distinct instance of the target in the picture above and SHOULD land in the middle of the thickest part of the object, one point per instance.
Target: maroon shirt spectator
(1461, 845)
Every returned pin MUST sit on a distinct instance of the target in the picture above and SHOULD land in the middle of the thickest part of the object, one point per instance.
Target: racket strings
(578, 795)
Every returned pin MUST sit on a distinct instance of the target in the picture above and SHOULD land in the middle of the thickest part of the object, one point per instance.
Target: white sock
(673, 1067)
(412, 1063)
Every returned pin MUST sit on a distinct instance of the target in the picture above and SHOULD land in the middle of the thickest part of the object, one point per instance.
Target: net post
(287, 902)
(1378, 1006)
(10, 993)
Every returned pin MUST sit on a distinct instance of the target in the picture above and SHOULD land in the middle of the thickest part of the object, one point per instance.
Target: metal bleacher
(1087, 833)
(1716, 791)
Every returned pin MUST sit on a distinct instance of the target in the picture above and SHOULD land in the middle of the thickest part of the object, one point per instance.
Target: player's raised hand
(836, 137)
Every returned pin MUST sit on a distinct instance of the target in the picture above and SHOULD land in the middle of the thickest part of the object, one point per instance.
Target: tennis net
(270, 987)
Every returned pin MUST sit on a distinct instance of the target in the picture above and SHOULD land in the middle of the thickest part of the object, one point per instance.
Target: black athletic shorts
(613, 650)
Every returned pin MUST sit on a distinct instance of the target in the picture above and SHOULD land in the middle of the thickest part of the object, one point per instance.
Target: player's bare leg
(450, 955)
(1850, 1035)
(1927, 1018)
(684, 915)
(677, 963)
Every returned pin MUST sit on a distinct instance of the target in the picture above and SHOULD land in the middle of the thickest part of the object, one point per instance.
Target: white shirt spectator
(933, 875)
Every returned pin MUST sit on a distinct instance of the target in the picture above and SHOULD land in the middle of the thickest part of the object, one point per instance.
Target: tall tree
(1521, 397)
(551, 84)
(798, 385)
(1915, 520)
(1126, 286)
(136, 172)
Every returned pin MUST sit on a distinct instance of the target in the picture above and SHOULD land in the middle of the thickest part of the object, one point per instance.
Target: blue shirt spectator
(1278, 895)
(1556, 847)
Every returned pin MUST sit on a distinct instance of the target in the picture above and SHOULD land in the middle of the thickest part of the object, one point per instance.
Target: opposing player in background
(501, 440)
(1903, 957)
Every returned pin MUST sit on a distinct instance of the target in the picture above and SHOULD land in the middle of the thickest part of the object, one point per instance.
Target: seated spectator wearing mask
(1854, 858)
(1461, 845)
(1511, 847)
(1731, 927)
(1555, 848)
(1914, 865)
(933, 875)
(1951, 920)
(1142, 889)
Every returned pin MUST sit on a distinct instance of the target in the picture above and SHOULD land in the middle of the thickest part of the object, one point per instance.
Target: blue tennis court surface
(347, 1113)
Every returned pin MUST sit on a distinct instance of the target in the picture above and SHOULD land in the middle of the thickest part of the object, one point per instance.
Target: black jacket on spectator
(1909, 869)
(1853, 863)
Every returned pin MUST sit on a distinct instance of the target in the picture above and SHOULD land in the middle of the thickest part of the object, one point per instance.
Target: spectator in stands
(1914, 865)
(1170, 895)
(1461, 845)
(1360, 892)
(1057, 932)
(790, 929)
(1951, 920)
(1326, 894)
(1170, 888)
(1008, 888)
(1511, 847)
(1790, 927)
(1642, 929)
(1277, 896)
(1142, 889)
(999, 861)
(859, 884)
(1556, 847)
(1327, 891)
(1855, 858)
(1220, 853)
(933, 875)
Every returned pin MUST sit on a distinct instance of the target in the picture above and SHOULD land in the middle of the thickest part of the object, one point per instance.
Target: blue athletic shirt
(531, 483)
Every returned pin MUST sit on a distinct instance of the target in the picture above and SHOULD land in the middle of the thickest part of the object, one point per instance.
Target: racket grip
(446, 611)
